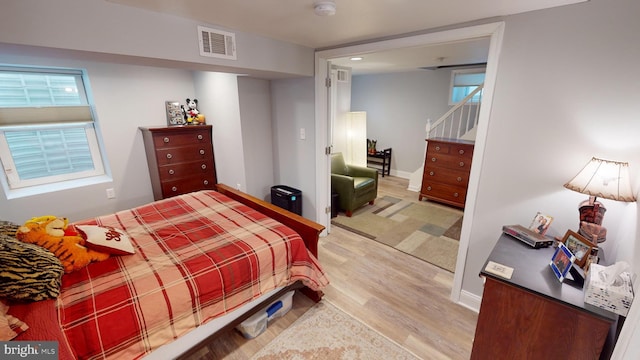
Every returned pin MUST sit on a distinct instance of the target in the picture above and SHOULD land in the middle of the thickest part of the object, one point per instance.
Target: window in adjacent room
(463, 82)
(48, 133)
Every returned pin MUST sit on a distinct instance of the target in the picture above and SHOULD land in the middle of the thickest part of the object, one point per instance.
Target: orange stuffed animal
(49, 232)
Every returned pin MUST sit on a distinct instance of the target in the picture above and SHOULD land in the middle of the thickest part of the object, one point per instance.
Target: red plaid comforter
(198, 256)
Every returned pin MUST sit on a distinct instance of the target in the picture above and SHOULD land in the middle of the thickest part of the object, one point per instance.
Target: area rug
(326, 333)
(426, 230)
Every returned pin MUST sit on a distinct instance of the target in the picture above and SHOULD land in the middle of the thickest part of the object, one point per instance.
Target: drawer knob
(461, 164)
(200, 137)
(206, 182)
(433, 159)
(437, 148)
(456, 194)
(204, 166)
(459, 179)
(429, 188)
(174, 189)
(166, 139)
(461, 151)
(171, 172)
(431, 173)
(169, 156)
(201, 152)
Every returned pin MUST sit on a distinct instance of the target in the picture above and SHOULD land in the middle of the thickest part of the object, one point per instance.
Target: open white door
(323, 143)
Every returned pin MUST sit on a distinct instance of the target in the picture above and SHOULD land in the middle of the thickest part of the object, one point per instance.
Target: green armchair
(355, 185)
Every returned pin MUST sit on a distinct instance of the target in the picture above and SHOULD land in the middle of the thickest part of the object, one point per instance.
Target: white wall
(218, 100)
(567, 90)
(105, 29)
(398, 106)
(294, 158)
(257, 135)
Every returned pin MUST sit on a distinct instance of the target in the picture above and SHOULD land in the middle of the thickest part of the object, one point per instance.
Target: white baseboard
(400, 174)
(413, 188)
(470, 301)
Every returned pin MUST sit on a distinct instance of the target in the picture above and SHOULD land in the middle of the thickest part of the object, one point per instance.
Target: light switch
(303, 134)
(111, 194)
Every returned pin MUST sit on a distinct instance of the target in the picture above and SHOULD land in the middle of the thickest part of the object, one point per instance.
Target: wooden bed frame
(308, 230)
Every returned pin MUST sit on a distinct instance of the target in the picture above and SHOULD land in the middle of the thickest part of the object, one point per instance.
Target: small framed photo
(578, 245)
(540, 223)
(562, 261)
(174, 113)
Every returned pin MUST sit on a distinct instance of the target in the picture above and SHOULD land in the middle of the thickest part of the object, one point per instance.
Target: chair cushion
(362, 182)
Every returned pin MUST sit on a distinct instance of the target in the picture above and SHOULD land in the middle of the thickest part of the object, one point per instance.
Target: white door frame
(492, 30)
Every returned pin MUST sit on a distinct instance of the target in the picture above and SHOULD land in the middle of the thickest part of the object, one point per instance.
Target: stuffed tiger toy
(48, 232)
(27, 272)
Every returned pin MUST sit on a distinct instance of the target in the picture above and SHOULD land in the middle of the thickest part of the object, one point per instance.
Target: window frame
(16, 187)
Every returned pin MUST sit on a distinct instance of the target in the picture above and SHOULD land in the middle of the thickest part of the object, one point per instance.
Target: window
(47, 129)
(463, 82)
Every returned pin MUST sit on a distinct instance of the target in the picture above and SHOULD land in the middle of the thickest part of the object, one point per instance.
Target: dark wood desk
(381, 160)
(533, 315)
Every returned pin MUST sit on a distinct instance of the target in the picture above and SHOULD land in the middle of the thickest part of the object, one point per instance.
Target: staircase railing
(461, 118)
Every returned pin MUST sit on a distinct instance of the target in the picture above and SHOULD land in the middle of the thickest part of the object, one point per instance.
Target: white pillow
(10, 326)
(106, 239)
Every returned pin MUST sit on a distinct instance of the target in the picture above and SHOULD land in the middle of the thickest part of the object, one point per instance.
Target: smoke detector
(324, 8)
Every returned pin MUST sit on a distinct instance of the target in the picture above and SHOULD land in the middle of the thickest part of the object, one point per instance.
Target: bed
(208, 257)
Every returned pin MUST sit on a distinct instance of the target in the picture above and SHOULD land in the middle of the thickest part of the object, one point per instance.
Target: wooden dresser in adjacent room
(446, 171)
(180, 159)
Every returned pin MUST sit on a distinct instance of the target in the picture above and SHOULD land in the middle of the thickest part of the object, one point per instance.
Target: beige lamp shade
(604, 179)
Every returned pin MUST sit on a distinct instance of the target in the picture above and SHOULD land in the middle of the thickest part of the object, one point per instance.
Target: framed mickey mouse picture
(174, 113)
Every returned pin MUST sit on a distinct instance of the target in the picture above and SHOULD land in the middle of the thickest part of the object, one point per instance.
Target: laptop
(527, 236)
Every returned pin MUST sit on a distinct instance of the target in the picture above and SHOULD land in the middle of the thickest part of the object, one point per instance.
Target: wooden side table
(533, 315)
(380, 160)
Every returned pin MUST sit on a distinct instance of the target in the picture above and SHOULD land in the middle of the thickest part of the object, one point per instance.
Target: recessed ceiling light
(356, 58)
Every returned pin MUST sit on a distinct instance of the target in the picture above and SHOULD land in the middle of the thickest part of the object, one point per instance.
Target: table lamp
(605, 179)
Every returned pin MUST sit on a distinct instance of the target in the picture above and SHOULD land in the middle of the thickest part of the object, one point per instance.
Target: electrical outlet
(238, 186)
(303, 134)
(111, 193)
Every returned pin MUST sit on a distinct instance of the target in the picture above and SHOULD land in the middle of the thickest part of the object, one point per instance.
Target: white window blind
(47, 130)
(463, 82)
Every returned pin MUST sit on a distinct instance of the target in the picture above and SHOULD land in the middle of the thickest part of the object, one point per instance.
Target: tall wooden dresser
(180, 159)
(446, 171)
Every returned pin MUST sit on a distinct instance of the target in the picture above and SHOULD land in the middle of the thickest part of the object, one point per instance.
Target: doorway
(323, 194)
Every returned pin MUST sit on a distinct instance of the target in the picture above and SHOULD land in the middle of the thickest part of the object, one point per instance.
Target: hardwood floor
(400, 296)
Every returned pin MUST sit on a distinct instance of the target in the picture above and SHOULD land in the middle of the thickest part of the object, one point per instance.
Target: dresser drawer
(183, 154)
(448, 161)
(447, 193)
(447, 176)
(184, 186)
(182, 170)
(448, 148)
(165, 140)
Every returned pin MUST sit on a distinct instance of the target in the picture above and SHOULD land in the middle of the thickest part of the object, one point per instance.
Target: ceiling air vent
(217, 43)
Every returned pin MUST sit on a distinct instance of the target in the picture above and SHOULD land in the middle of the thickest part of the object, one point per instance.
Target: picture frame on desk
(562, 261)
(540, 223)
(579, 246)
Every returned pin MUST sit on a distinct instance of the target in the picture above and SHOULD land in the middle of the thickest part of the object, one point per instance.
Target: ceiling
(355, 21)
